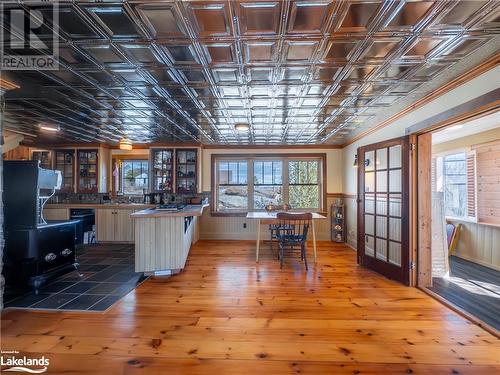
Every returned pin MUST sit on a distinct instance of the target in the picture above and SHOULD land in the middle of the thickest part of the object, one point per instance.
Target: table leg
(314, 239)
(258, 242)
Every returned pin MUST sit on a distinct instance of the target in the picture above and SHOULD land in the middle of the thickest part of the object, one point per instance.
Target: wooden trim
(461, 312)
(271, 146)
(471, 74)
(341, 195)
(475, 108)
(214, 157)
(413, 241)
(424, 209)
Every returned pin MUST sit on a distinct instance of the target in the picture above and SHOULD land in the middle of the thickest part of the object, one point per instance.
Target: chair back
(294, 224)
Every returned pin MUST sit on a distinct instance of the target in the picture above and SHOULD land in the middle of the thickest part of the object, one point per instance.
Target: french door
(383, 208)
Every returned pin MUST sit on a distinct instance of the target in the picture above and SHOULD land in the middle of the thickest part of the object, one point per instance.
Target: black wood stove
(35, 251)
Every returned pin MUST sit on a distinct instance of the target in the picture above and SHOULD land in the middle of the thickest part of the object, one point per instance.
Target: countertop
(134, 206)
(189, 210)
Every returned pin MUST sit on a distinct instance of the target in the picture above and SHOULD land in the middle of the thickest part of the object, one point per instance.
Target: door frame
(406, 271)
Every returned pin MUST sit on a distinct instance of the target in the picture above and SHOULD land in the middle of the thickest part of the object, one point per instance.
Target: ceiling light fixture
(125, 144)
(242, 127)
(50, 128)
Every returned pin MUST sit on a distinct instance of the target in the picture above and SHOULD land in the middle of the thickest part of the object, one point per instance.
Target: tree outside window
(135, 176)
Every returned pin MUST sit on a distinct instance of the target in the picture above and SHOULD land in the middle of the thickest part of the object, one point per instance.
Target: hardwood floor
(225, 314)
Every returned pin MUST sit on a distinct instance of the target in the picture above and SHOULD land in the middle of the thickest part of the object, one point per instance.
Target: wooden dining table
(264, 217)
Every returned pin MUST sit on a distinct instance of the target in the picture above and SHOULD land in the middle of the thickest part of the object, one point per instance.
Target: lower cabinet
(114, 225)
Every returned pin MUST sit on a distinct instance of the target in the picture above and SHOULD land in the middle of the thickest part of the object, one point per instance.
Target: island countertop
(189, 210)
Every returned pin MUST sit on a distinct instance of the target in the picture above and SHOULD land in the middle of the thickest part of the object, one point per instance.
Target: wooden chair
(291, 233)
(274, 226)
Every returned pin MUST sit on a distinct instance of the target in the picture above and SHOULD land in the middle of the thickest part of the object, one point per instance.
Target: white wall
(478, 86)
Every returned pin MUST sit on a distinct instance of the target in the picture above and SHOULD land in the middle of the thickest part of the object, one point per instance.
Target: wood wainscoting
(226, 314)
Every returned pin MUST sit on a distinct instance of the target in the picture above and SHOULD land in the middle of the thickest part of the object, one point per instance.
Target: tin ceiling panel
(298, 71)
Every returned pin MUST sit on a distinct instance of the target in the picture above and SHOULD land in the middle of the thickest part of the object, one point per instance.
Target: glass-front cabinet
(186, 175)
(174, 170)
(162, 170)
(44, 157)
(87, 171)
(64, 162)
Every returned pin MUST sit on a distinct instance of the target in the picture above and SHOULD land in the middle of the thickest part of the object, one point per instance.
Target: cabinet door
(124, 226)
(105, 224)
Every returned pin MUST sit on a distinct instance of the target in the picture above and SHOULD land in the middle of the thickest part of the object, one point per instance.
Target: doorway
(465, 170)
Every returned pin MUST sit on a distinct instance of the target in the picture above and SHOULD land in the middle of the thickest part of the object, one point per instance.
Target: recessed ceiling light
(50, 128)
(242, 127)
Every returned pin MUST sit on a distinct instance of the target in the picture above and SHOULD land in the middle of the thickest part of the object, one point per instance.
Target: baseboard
(489, 265)
(248, 236)
(351, 246)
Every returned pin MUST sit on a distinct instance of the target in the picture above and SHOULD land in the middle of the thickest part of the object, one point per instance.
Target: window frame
(440, 172)
(122, 176)
(250, 158)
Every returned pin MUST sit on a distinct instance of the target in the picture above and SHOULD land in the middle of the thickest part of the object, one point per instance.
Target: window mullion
(250, 174)
(285, 181)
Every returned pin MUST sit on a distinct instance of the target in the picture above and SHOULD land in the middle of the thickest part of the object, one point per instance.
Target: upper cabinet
(44, 157)
(65, 162)
(186, 167)
(88, 178)
(162, 171)
(174, 170)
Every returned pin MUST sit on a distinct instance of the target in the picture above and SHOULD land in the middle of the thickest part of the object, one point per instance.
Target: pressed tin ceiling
(298, 72)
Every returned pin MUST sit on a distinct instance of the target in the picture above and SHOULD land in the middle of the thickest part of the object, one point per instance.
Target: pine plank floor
(225, 314)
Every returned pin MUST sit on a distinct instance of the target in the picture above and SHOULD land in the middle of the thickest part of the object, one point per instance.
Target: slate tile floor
(108, 275)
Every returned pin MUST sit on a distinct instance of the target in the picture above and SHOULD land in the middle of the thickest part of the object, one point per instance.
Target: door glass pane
(395, 205)
(369, 203)
(382, 226)
(369, 246)
(395, 253)
(381, 249)
(395, 157)
(394, 180)
(382, 181)
(369, 224)
(395, 229)
(382, 204)
(381, 161)
(369, 160)
(369, 181)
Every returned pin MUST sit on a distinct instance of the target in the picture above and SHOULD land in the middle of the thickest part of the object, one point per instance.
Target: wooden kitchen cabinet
(114, 225)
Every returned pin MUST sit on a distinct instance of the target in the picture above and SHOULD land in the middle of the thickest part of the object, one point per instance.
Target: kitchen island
(163, 238)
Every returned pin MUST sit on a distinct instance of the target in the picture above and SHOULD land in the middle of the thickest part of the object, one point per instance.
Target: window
(267, 182)
(452, 181)
(232, 189)
(134, 175)
(304, 184)
(247, 183)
